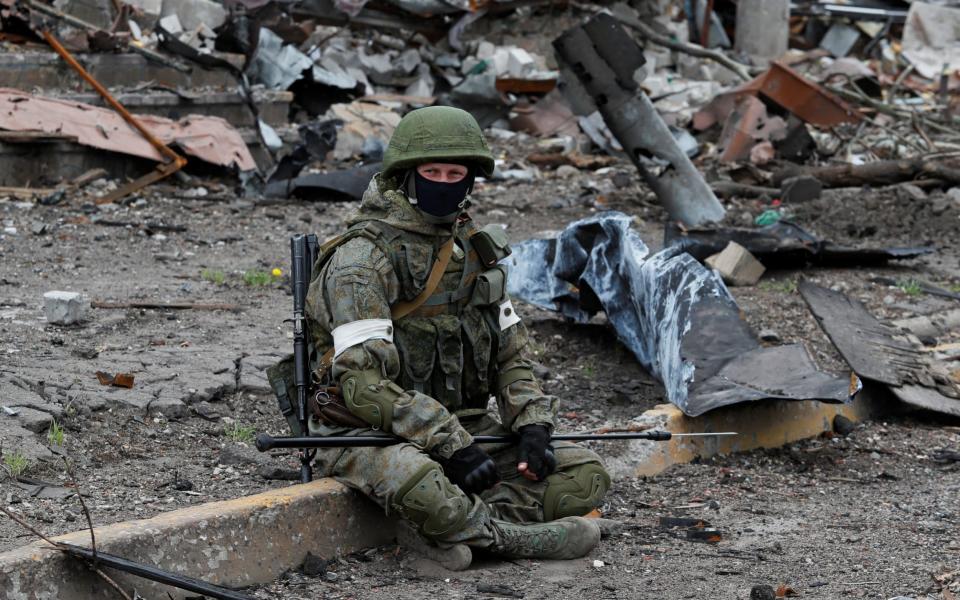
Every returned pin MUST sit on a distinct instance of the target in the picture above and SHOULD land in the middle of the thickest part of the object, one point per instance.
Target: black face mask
(441, 199)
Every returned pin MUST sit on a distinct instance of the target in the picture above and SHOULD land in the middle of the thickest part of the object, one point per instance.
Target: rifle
(268, 442)
(303, 254)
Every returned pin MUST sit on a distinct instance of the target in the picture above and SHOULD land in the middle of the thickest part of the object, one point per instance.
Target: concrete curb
(234, 543)
(765, 424)
(252, 540)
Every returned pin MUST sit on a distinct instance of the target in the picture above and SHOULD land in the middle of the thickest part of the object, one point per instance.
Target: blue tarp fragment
(675, 315)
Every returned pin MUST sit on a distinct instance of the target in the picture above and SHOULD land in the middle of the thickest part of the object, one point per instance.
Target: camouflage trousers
(380, 472)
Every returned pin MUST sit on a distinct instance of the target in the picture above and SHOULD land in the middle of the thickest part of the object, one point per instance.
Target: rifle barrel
(267, 442)
(154, 574)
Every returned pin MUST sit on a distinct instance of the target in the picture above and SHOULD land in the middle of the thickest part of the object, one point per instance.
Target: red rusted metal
(174, 163)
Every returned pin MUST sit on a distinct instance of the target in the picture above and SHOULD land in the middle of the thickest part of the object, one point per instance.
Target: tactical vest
(448, 346)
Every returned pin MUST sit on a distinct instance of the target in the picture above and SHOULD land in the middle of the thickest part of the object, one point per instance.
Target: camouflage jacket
(452, 354)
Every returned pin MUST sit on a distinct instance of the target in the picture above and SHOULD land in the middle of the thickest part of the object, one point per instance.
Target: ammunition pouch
(281, 378)
(491, 245)
(490, 286)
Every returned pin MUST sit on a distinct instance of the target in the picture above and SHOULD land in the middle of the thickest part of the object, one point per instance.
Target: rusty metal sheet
(210, 139)
(747, 125)
(525, 86)
(787, 88)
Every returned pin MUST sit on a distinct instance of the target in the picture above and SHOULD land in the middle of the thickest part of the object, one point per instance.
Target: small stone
(64, 308)
(843, 426)
(597, 564)
(762, 592)
(564, 171)
(331, 577)
(621, 179)
(954, 195)
(940, 205)
(314, 566)
(913, 192)
(182, 485)
(769, 335)
(799, 189)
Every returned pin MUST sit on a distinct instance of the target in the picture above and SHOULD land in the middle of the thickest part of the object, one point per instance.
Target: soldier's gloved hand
(535, 452)
(472, 469)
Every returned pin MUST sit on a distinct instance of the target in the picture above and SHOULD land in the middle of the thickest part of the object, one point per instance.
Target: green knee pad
(438, 507)
(575, 491)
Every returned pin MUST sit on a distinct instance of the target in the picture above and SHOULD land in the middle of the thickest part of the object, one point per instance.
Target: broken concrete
(46, 70)
(273, 106)
(65, 308)
(763, 29)
(736, 265)
(235, 543)
(194, 13)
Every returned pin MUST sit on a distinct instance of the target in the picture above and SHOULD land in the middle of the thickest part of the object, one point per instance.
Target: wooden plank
(23, 193)
(865, 343)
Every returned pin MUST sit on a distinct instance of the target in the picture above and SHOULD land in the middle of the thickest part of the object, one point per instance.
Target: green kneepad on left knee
(575, 491)
(437, 506)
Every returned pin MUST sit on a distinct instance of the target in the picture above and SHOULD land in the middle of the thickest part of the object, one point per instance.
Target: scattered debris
(124, 380)
(208, 138)
(65, 308)
(783, 245)
(736, 265)
(877, 352)
(606, 60)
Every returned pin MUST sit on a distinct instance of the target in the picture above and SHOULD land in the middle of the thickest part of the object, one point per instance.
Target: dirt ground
(870, 515)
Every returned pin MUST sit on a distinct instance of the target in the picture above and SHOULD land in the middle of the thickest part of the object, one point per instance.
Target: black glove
(536, 451)
(472, 469)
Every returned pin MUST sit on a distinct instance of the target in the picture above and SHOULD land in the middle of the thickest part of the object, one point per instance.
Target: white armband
(357, 332)
(508, 315)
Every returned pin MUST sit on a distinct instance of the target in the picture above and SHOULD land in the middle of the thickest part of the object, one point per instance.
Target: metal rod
(153, 574)
(267, 442)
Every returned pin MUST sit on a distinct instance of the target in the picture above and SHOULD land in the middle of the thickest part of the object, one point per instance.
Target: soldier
(411, 306)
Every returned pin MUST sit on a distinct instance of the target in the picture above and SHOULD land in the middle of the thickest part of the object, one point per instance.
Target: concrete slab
(274, 106)
(236, 543)
(762, 424)
(29, 70)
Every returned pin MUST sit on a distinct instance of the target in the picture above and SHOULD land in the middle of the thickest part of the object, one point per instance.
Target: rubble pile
(736, 115)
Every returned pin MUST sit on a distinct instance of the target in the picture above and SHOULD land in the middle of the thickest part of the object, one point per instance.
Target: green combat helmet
(437, 134)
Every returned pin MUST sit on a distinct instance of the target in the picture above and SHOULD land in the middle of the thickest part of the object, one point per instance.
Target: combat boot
(571, 537)
(455, 557)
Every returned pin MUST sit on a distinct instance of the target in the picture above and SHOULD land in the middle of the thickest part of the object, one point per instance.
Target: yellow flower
(276, 272)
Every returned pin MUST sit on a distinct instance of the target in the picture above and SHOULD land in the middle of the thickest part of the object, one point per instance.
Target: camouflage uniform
(432, 382)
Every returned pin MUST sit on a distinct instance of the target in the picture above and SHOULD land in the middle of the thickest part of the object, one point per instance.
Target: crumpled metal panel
(211, 139)
(605, 59)
(275, 65)
(676, 316)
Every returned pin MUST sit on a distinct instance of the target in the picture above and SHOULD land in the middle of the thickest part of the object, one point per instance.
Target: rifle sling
(402, 309)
